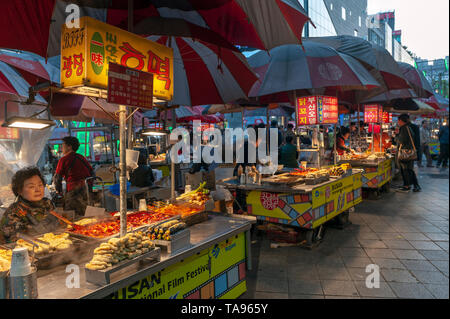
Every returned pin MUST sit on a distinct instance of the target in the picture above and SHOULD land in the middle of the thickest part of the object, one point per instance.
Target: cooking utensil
(65, 220)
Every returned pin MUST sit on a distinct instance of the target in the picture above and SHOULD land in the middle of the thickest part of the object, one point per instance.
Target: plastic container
(20, 262)
(115, 189)
(142, 205)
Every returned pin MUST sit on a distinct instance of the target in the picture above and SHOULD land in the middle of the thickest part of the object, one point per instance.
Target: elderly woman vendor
(30, 214)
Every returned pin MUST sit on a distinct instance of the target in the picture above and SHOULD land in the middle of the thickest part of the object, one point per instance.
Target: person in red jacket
(74, 168)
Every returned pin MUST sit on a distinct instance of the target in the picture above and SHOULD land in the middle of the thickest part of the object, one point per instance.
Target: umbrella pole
(335, 152)
(359, 126)
(123, 170)
(381, 137)
(373, 137)
(172, 163)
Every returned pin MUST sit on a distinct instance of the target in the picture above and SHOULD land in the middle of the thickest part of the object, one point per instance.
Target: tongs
(65, 220)
(32, 240)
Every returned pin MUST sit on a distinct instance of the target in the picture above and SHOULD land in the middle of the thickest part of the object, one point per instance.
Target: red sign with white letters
(130, 87)
(373, 113)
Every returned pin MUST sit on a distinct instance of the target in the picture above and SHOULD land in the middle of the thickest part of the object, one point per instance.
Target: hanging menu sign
(328, 110)
(373, 113)
(314, 110)
(130, 87)
(8, 133)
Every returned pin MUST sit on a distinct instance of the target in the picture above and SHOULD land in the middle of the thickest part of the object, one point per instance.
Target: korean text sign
(373, 113)
(314, 110)
(86, 52)
(129, 87)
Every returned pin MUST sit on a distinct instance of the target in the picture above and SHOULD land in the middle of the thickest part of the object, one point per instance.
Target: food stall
(377, 165)
(305, 198)
(164, 250)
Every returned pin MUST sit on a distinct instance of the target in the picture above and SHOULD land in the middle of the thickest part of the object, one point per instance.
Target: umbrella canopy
(318, 69)
(31, 66)
(35, 26)
(14, 86)
(204, 74)
(376, 59)
(81, 109)
(411, 106)
(417, 80)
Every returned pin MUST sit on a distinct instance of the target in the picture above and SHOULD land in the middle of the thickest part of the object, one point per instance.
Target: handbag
(405, 155)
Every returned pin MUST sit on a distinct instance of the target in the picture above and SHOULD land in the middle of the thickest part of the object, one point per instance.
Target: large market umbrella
(204, 74)
(318, 69)
(32, 67)
(417, 80)
(35, 26)
(411, 106)
(376, 59)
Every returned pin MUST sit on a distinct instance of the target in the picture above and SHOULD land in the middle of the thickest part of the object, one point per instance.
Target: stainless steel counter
(52, 283)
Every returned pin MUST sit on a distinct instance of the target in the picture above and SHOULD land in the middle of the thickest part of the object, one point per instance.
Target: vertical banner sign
(387, 117)
(307, 110)
(372, 113)
(87, 51)
(129, 87)
(330, 113)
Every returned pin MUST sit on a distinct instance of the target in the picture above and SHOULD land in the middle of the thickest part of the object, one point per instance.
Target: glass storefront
(318, 13)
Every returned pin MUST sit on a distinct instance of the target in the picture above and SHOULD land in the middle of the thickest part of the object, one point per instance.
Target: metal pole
(335, 152)
(123, 171)
(373, 137)
(172, 163)
(381, 137)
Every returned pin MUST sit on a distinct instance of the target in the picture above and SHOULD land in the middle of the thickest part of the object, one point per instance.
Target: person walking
(443, 140)
(416, 138)
(425, 139)
(405, 140)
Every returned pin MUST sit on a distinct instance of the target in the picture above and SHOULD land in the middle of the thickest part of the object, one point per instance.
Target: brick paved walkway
(406, 235)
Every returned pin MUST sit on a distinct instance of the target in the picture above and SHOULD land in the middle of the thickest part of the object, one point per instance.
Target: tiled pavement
(406, 235)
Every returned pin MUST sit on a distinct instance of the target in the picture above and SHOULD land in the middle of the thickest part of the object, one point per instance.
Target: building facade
(437, 73)
(336, 17)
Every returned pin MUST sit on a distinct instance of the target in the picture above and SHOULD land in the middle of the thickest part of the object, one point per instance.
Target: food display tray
(315, 181)
(179, 241)
(103, 277)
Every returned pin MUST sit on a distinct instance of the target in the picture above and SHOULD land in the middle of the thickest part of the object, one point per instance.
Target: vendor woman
(30, 214)
(74, 168)
(343, 135)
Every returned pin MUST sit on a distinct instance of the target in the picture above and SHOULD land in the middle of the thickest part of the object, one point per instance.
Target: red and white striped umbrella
(35, 26)
(207, 74)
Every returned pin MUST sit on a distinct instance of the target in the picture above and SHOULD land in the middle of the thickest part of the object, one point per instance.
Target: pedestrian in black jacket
(406, 140)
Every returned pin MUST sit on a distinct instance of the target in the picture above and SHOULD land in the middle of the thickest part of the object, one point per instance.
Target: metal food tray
(132, 230)
(55, 258)
(179, 241)
(316, 181)
(103, 277)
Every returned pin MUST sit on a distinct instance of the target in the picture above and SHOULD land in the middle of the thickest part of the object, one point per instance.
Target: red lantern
(373, 113)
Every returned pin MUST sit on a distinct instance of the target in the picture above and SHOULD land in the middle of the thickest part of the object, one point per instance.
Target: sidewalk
(406, 235)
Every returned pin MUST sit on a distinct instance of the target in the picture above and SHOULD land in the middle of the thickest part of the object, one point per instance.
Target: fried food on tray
(55, 242)
(5, 259)
(116, 250)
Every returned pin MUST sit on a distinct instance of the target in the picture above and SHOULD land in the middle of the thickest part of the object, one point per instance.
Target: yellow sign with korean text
(86, 52)
(216, 272)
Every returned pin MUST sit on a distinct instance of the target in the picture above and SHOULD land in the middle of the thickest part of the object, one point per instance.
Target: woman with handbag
(407, 154)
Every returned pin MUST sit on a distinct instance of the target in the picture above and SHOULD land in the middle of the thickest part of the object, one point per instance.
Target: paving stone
(368, 243)
(355, 252)
(429, 229)
(406, 228)
(444, 229)
(414, 236)
(368, 235)
(398, 275)
(383, 229)
(437, 236)
(360, 274)
(333, 273)
(269, 284)
(423, 265)
(438, 291)
(358, 262)
(334, 261)
(424, 245)
(270, 295)
(398, 244)
(410, 290)
(296, 296)
(430, 277)
(339, 288)
(341, 297)
(434, 254)
(441, 265)
(379, 253)
(395, 236)
(408, 254)
(303, 272)
(442, 244)
(383, 291)
(386, 263)
(305, 287)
